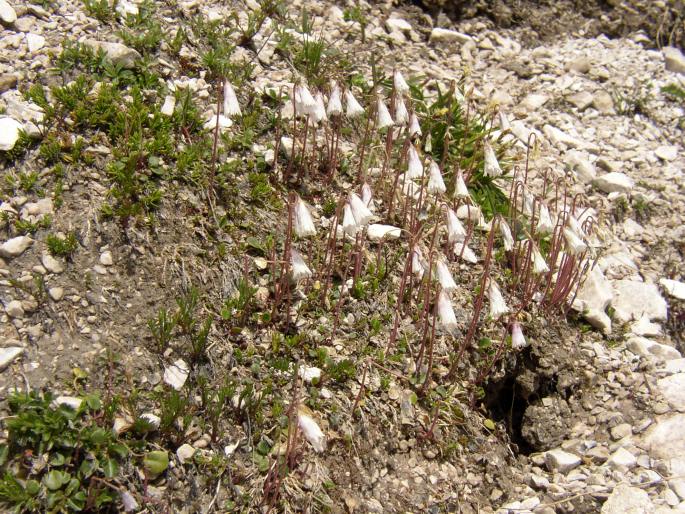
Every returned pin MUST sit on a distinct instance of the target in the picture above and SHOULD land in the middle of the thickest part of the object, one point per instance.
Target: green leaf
(77, 502)
(57, 460)
(4, 451)
(56, 479)
(32, 487)
(73, 486)
(98, 436)
(87, 468)
(110, 468)
(119, 449)
(155, 463)
(489, 424)
(94, 402)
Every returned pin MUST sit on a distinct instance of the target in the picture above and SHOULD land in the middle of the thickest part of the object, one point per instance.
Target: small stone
(578, 163)
(674, 59)
(106, 258)
(14, 309)
(614, 182)
(621, 431)
(533, 102)
(8, 81)
(603, 102)
(580, 65)
(9, 132)
(561, 461)
(674, 288)
(153, 420)
(622, 460)
(169, 105)
(582, 100)
(185, 452)
(116, 52)
(598, 454)
(35, 42)
(51, 264)
(539, 482)
(176, 374)
(667, 153)
(56, 293)
(7, 13)
(100, 270)
(446, 36)
(68, 401)
(397, 25)
(8, 355)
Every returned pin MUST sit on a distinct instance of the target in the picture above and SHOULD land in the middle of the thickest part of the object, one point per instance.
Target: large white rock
(561, 139)
(578, 162)
(8, 355)
(628, 500)
(647, 348)
(116, 52)
(673, 389)
(614, 182)
(441, 36)
(9, 133)
(633, 300)
(561, 461)
(592, 300)
(667, 152)
(674, 59)
(666, 438)
(622, 460)
(674, 288)
(35, 42)
(7, 13)
(15, 246)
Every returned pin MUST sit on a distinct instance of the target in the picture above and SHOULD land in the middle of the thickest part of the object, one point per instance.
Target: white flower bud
(401, 113)
(442, 273)
(303, 224)
(362, 214)
(319, 110)
(299, 268)
(545, 225)
(455, 229)
(414, 126)
(518, 341)
(460, 190)
(448, 321)
(539, 264)
(383, 118)
(367, 195)
(354, 108)
(414, 166)
(304, 101)
(400, 84)
(418, 263)
(311, 431)
(334, 107)
(349, 224)
(507, 238)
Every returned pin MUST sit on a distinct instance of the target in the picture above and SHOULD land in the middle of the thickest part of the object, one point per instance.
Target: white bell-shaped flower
(360, 211)
(414, 166)
(455, 229)
(545, 225)
(383, 118)
(436, 184)
(349, 224)
(507, 238)
(401, 113)
(448, 320)
(231, 105)
(539, 264)
(518, 341)
(319, 110)
(463, 250)
(491, 167)
(498, 307)
(334, 107)
(354, 108)
(299, 269)
(414, 126)
(303, 224)
(443, 275)
(460, 189)
(312, 432)
(418, 263)
(574, 244)
(367, 195)
(304, 101)
(400, 84)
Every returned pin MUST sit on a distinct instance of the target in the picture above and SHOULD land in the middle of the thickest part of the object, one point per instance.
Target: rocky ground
(589, 418)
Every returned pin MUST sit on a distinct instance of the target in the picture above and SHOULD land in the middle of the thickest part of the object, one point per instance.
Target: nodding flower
(518, 341)
(442, 273)
(460, 189)
(414, 166)
(367, 195)
(468, 255)
(319, 110)
(311, 431)
(400, 84)
(418, 263)
(539, 264)
(299, 269)
(383, 118)
(545, 225)
(354, 108)
(491, 167)
(362, 214)
(414, 126)
(334, 107)
(231, 105)
(303, 224)
(349, 224)
(304, 101)
(448, 321)
(498, 307)
(573, 223)
(401, 113)
(455, 229)
(574, 244)
(435, 182)
(507, 238)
